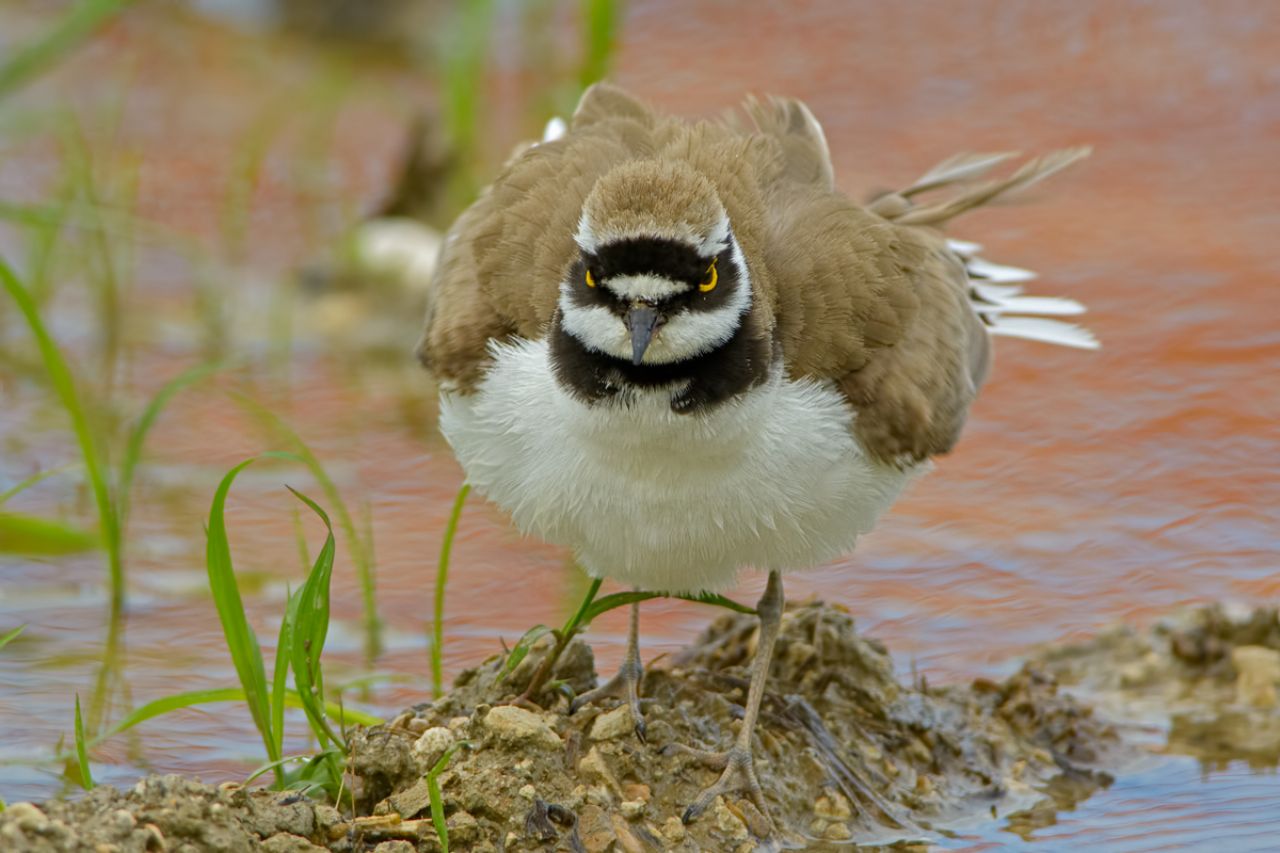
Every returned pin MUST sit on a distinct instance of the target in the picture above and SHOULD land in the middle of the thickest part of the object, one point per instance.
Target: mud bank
(845, 752)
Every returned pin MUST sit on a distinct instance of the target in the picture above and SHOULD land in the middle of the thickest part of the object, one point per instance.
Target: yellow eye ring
(709, 283)
(591, 282)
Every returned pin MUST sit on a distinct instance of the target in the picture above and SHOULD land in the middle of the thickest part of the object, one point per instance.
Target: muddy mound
(845, 753)
(1207, 676)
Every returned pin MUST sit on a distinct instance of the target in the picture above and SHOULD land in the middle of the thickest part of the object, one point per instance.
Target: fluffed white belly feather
(678, 503)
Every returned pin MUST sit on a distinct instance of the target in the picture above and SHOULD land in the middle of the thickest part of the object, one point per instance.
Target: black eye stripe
(638, 256)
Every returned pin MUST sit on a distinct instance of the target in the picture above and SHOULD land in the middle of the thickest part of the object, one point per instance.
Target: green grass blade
(242, 643)
(10, 636)
(43, 53)
(609, 602)
(39, 537)
(311, 627)
(190, 699)
(280, 677)
(360, 549)
(600, 35)
(82, 752)
(65, 387)
(717, 600)
(138, 435)
(522, 647)
(34, 480)
(442, 577)
(434, 795)
(622, 599)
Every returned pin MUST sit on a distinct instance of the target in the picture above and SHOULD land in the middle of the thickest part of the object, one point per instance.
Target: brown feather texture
(871, 299)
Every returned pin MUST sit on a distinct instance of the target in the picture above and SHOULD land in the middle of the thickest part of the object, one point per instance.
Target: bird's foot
(739, 774)
(624, 685)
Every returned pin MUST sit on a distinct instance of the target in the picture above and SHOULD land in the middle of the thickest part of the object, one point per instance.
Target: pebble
(27, 817)
(613, 724)
(833, 806)
(1258, 673)
(123, 821)
(674, 830)
(397, 846)
(632, 809)
(513, 725)
(636, 791)
(463, 827)
(593, 766)
(431, 745)
(528, 792)
(837, 832)
(728, 822)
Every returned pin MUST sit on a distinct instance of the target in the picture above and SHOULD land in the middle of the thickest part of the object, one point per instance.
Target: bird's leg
(625, 684)
(739, 772)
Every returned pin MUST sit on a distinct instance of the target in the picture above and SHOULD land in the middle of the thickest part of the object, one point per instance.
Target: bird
(679, 350)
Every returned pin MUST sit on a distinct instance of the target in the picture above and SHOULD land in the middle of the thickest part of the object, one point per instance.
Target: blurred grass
(68, 32)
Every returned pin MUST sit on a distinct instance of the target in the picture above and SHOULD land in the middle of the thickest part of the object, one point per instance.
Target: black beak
(642, 321)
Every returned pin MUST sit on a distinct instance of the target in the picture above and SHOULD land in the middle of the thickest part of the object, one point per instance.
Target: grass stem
(442, 577)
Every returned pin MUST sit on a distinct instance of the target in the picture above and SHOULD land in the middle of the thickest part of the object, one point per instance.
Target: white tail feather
(988, 292)
(1041, 329)
(998, 299)
(979, 268)
(1054, 306)
(963, 248)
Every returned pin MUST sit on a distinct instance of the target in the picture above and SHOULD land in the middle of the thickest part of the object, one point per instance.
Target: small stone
(626, 838)
(595, 829)
(636, 791)
(632, 809)
(397, 846)
(431, 745)
(599, 797)
(512, 840)
(463, 827)
(833, 806)
(528, 792)
(418, 725)
(154, 838)
(1257, 674)
(284, 842)
(837, 832)
(613, 724)
(673, 830)
(26, 817)
(593, 766)
(817, 827)
(327, 818)
(512, 725)
(728, 822)
(123, 821)
(412, 801)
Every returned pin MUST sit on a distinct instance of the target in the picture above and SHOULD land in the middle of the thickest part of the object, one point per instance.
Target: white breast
(679, 503)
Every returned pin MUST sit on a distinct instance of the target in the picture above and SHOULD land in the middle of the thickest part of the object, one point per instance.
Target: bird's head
(659, 277)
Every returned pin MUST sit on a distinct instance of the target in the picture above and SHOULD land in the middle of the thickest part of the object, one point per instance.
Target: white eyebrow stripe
(648, 287)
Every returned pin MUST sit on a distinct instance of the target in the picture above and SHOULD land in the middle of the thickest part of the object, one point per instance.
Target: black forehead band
(648, 256)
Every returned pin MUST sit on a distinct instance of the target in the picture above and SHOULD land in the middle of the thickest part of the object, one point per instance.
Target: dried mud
(845, 752)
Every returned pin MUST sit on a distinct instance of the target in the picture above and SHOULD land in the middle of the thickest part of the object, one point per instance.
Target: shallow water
(1089, 487)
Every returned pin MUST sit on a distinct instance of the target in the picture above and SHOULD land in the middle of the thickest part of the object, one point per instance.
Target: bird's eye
(710, 280)
(591, 282)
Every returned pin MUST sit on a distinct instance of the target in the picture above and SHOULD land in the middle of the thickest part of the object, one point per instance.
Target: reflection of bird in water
(678, 350)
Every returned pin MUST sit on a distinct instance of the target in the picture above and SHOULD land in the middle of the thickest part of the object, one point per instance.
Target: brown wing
(504, 258)
(878, 308)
